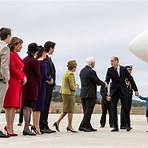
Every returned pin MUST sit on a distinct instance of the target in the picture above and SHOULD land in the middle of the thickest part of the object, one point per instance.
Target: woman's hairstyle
(40, 51)
(15, 41)
(4, 32)
(32, 49)
(48, 45)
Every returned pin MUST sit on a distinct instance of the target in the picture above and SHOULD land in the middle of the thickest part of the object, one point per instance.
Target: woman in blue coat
(45, 78)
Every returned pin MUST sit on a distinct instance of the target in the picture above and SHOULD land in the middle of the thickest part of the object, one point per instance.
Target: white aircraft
(139, 46)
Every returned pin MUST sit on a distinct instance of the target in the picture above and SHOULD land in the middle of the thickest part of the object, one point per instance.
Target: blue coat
(145, 99)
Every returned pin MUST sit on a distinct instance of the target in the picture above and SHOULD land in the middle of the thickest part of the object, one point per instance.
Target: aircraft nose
(139, 46)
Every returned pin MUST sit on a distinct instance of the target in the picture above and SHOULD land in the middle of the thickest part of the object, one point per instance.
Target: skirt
(68, 103)
(29, 103)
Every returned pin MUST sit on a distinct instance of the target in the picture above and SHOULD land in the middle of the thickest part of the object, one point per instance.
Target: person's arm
(133, 84)
(93, 76)
(72, 83)
(107, 79)
(46, 75)
(143, 98)
(13, 69)
(5, 62)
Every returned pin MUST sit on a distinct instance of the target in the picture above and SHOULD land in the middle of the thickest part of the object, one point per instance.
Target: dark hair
(116, 59)
(32, 49)
(4, 32)
(40, 51)
(48, 45)
(15, 41)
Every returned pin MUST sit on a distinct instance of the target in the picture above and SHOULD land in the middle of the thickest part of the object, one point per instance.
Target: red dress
(13, 96)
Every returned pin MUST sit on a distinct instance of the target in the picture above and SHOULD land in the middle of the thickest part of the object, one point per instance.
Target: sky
(81, 28)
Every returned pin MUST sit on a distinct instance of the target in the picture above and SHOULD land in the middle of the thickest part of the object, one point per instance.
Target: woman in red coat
(13, 98)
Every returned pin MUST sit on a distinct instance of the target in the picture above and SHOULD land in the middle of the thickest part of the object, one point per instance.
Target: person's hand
(24, 81)
(108, 98)
(50, 82)
(136, 93)
(77, 86)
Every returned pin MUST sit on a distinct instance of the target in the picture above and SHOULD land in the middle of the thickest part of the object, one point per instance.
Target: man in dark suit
(118, 74)
(130, 95)
(106, 107)
(49, 47)
(89, 82)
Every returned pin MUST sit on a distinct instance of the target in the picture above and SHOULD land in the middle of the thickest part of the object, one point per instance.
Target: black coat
(119, 82)
(89, 82)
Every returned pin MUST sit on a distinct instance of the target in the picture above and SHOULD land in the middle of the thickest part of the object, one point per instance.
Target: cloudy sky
(81, 28)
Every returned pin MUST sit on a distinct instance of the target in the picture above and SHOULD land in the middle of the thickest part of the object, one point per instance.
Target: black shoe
(71, 130)
(84, 129)
(123, 127)
(56, 126)
(2, 135)
(128, 129)
(47, 131)
(115, 130)
(28, 133)
(92, 129)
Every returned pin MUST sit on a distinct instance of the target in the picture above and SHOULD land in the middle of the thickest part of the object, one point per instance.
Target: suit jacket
(89, 82)
(68, 84)
(119, 82)
(51, 71)
(4, 62)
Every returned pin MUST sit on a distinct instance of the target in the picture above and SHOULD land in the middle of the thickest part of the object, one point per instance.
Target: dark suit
(119, 90)
(106, 107)
(89, 82)
(49, 90)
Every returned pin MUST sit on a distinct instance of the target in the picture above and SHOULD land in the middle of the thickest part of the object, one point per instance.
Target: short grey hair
(90, 60)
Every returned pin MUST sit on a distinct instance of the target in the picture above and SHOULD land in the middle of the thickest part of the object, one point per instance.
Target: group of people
(27, 84)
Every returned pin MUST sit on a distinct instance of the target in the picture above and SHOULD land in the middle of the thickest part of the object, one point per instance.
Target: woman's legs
(60, 118)
(10, 114)
(70, 117)
(27, 112)
(36, 120)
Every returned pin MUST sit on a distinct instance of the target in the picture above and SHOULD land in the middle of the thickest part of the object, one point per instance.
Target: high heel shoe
(56, 126)
(33, 128)
(71, 130)
(9, 134)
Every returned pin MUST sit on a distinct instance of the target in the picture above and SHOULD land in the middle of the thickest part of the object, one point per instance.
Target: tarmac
(103, 138)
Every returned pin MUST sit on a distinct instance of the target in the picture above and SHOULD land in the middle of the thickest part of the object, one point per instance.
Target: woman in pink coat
(13, 96)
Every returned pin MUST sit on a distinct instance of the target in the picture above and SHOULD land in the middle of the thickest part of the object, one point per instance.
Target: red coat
(13, 96)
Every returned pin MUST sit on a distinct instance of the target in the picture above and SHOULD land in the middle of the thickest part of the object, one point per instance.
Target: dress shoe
(10, 134)
(2, 135)
(71, 130)
(28, 133)
(47, 131)
(92, 129)
(128, 129)
(56, 126)
(84, 129)
(115, 130)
